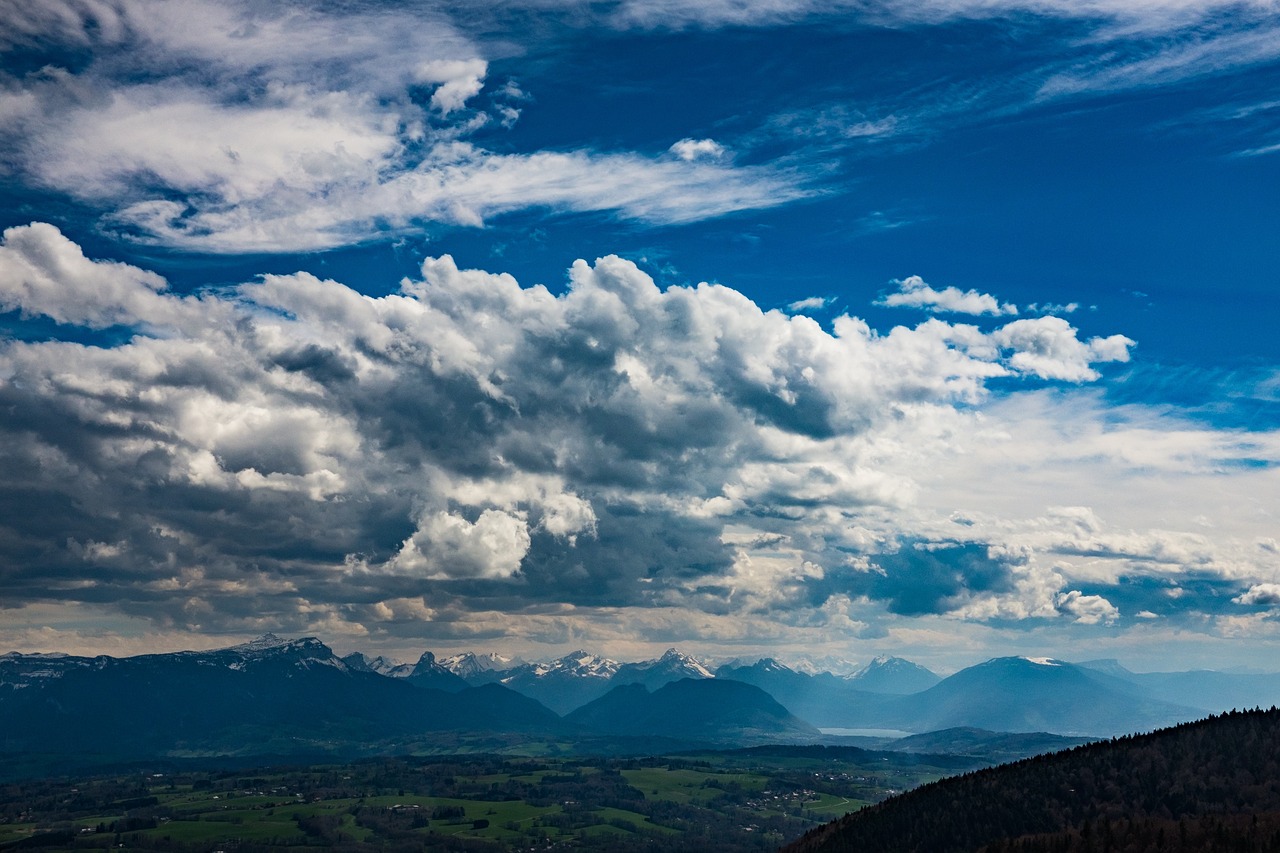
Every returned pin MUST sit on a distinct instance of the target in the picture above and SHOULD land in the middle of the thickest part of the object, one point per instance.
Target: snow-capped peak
(305, 652)
(674, 659)
(264, 643)
(770, 665)
(691, 663)
(269, 644)
(1043, 661)
(390, 667)
(579, 663)
(469, 664)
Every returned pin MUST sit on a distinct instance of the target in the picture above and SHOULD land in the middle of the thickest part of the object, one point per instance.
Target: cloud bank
(291, 452)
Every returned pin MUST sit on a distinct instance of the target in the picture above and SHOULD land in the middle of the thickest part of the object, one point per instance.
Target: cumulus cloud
(293, 449)
(913, 292)
(1087, 609)
(447, 546)
(44, 274)
(698, 149)
(1048, 347)
(1262, 593)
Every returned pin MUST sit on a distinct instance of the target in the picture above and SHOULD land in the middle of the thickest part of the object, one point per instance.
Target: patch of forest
(1208, 785)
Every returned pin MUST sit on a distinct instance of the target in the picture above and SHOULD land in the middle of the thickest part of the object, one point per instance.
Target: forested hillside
(1209, 785)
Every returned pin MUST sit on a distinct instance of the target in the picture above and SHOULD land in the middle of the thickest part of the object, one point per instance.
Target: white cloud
(698, 149)
(813, 303)
(459, 79)
(447, 546)
(1047, 347)
(1262, 593)
(1087, 609)
(42, 273)
(293, 128)
(913, 292)
(455, 183)
(1145, 15)
(616, 443)
(1204, 51)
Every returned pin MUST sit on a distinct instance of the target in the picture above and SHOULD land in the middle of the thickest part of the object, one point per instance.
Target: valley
(279, 744)
(735, 800)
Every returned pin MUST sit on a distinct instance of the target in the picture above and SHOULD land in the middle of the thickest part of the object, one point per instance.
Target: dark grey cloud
(926, 578)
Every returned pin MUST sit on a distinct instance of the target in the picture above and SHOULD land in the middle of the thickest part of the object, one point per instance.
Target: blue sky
(941, 329)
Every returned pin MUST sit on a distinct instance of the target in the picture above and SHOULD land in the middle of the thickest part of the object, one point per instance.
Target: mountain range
(278, 696)
(271, 696)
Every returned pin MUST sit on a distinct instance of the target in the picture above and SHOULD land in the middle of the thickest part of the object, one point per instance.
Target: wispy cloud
(1199, 52)
(914, 292)
(296, 129)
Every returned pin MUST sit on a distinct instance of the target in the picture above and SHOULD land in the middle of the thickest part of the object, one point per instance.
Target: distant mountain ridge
(294, 695)
(1206, 689)
(696, 709)
(887, 674)
(270, 696)
(487, 666)
(1018, 694)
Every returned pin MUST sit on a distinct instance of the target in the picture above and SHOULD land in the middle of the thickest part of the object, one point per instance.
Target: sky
(942, 329)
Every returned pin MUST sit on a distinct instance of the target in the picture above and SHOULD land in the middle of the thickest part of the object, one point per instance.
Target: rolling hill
(1209, 785)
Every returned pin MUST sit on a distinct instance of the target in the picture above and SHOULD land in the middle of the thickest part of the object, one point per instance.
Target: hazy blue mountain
(696, 709)
(823, 699)
(1008, 694)
(268, 697)
(1016, 694)
(767, 674)
(1109, 666)
(887, 674)
(1205, 689)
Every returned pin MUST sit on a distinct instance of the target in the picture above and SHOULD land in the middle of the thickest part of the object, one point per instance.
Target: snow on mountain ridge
(470, 664)
(576, 663)
(676, 659)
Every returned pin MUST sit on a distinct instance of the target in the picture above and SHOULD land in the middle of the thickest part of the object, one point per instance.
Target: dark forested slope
(1209, 785)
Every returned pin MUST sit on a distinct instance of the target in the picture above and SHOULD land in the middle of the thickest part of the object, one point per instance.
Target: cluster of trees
(1210, 785)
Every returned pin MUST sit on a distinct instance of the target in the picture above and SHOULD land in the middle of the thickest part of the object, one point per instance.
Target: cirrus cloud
(295, 128)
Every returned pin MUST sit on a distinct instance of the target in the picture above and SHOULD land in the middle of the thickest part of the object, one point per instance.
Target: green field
(729, 801)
